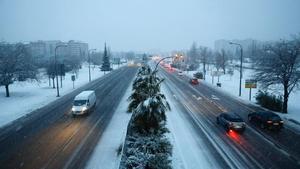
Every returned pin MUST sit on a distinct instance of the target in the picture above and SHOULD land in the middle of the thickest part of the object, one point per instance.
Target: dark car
(268, 120)
(231, 121)
(194, 81)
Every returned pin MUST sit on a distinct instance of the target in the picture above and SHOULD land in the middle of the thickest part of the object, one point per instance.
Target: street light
(241, 65)
(57, 87)
(90, 63)
(176, 56)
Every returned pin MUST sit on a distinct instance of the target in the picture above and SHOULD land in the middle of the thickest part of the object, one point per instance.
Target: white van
(84, 102)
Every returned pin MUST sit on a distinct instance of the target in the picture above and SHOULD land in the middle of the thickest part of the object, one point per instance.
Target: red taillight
(269, 121)
(230, 130)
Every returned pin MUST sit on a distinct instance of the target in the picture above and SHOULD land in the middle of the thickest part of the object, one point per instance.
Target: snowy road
(191, 149)
(254, 149)
(51, 138)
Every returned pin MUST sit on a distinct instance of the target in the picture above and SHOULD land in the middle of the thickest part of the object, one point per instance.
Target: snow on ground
(105, 154)
(26, 97)
(189, 151)
(230, 84)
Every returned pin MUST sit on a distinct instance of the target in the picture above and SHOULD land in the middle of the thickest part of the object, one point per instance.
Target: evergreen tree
(147, 103)
(105, 61)
(146, 145)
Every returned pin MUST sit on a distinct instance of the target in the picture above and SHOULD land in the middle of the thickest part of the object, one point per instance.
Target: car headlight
(73, 109)
(84, 108)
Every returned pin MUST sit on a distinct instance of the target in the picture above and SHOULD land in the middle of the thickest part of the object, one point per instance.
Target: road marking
(214, 97)
(19, 127)
(199, 98)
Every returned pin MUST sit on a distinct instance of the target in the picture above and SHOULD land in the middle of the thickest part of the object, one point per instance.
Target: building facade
(45, 50)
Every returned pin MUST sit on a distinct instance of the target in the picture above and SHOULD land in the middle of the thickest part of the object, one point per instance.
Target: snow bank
(189, 151)
(105, 155)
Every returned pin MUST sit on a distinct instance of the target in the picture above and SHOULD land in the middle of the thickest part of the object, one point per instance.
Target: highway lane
(288, 139)
(250, 150)
(51, 138)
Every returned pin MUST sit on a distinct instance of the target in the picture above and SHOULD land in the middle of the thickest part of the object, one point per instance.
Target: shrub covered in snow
(269, 101)
(147, 151)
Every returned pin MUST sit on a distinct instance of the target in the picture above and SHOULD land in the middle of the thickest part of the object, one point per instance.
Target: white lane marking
(194, 96)
(199, 98)
(214, 97)
(19, 127)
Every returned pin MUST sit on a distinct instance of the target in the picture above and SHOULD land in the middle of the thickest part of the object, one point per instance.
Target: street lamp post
(176, 56)
(241, 65)
(55, 62)
(161, 61)
(90, 63)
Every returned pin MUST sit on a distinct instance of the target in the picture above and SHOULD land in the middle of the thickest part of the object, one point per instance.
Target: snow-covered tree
(146, 146)
(16, 64)
(105, 62)
(193, 56)
(147, 103)
(221, 60)
(204, 58)
(150, 116)
(147, 151)
(280, 65)
(139, 93)
(51, 72)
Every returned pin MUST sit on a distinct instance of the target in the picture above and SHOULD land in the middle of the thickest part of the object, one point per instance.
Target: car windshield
(234, 119)
(275, 118)
(79, 102)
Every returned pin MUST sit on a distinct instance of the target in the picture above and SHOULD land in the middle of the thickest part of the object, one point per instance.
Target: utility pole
(241, 65)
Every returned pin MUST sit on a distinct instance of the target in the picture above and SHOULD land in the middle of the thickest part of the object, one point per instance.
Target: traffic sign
(73, 77)
(250, 83)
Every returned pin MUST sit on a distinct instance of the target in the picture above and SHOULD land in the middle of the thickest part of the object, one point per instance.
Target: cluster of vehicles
(233, 122)
(193, 81)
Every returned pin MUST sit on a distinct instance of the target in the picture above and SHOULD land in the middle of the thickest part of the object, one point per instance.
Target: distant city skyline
(149, 25)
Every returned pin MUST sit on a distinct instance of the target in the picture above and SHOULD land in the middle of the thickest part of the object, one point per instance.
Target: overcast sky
(148, 24)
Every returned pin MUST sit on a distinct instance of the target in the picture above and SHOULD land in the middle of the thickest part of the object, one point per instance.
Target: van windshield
(79, 102)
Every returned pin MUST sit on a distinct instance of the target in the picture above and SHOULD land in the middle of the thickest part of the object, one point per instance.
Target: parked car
(268, 120)
(84, 103)
(231, 122)
(194, 81)
(180, 73)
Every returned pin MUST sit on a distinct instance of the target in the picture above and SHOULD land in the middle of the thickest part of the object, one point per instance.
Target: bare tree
(203, 55)
(218, 60)
(280, 65)
(223, 60)
(16, 64)
(193, 56)
(51, 71)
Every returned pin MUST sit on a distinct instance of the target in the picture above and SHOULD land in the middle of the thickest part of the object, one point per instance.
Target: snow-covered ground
(189, 151)
(230, 84)
(105, 155)
(28, 96)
